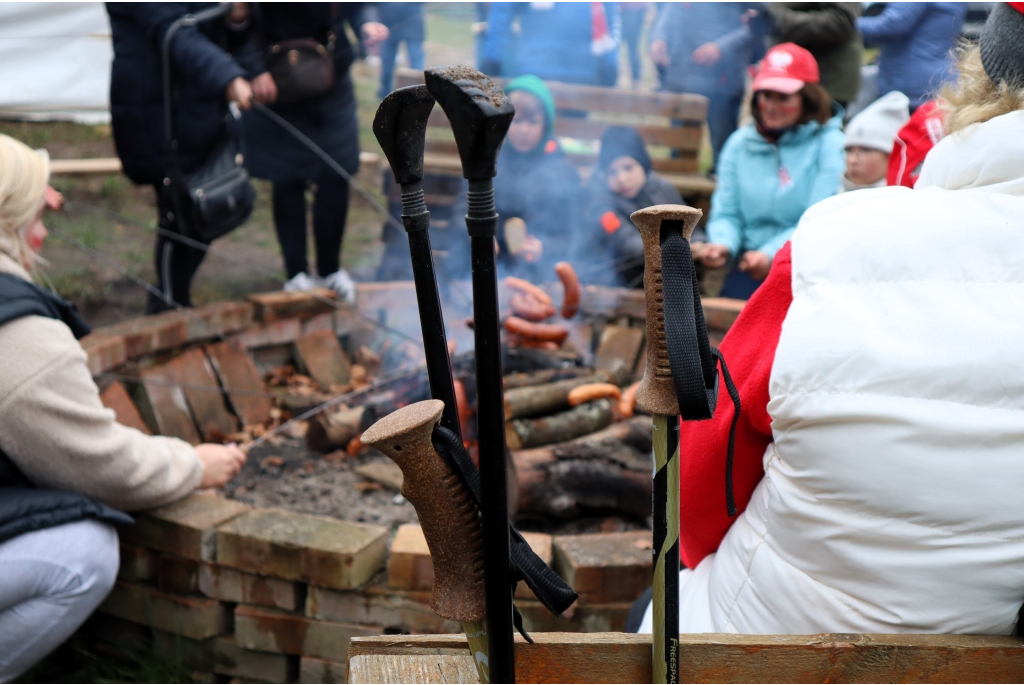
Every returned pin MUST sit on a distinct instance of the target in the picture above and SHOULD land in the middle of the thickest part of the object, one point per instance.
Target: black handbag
(217, 197)
(302, 68)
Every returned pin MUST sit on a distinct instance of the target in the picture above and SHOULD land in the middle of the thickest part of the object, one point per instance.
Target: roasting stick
(657, 395)
(401, 129)
(448, 517)
(480, 115)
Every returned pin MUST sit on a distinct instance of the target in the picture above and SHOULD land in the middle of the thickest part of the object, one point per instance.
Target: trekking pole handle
(657, 392)
(445, 508)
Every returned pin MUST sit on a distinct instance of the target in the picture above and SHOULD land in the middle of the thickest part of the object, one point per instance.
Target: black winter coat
(202, 68)
(328, 120)
(608, 249)
(541, 187)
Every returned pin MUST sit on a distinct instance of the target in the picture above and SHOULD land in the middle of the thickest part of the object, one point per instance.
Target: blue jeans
(389, 51)
(723, 117)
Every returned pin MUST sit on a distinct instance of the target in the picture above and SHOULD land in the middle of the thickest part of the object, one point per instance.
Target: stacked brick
(267, 595)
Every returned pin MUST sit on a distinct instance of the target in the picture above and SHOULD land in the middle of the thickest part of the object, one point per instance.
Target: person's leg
(415, 50)
(388, 53)
(632, 25)
(330, 210)
(290, 224)
(175, 262)
(52, 580)
(723, 117)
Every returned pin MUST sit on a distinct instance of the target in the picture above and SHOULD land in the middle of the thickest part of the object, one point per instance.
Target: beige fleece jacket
(54, 427)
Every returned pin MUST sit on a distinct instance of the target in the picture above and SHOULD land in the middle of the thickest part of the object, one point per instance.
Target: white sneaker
(299, 283)
(341, 283)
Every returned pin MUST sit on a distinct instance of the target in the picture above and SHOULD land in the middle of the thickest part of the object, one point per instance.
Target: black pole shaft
(416, 218)
(482, 220)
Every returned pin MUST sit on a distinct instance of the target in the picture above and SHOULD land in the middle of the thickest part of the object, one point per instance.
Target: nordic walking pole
(401, 129)
(661, 226)
(448, 517)
(480, 115)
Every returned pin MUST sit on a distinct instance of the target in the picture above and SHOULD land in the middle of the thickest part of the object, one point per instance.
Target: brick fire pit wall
(269, 595)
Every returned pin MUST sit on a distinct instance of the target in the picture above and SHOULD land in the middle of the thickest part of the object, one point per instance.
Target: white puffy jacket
(893, 495)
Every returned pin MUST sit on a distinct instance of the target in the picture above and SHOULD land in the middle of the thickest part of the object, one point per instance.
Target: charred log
(608, 471)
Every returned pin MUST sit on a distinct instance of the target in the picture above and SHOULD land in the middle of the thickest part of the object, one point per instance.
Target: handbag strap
(693, 360)
(182, 21)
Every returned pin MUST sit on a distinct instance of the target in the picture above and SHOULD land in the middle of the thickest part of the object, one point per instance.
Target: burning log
(537, 400)
(606, 471)
(582, 420)
(329, 431)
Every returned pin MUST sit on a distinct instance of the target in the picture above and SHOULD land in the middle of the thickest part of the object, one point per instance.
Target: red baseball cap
(786, 68)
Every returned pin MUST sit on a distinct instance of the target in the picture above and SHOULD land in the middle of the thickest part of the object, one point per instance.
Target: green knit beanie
(534, 86)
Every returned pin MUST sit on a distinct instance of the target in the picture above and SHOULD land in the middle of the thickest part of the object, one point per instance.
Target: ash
(290, 476)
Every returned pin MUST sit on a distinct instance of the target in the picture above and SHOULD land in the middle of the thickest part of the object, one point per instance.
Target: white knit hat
(878, 123)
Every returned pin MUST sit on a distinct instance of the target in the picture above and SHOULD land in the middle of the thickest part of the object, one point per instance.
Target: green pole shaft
(666, 549)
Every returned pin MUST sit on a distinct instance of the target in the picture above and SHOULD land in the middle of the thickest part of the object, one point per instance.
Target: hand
(239, 12)
(708, 54)
(531, 249)
(53, 199)
(714, 256)
(374, 32)
(697, 250)
(264, 89)
(239, 91)
(221, 463)
(756, 263)
(659, 53)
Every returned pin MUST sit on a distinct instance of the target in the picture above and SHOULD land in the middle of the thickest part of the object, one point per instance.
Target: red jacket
(913, 143)
(749, 351)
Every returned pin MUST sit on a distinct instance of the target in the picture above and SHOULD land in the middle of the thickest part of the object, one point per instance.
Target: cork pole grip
(447, 514)
(657, 392)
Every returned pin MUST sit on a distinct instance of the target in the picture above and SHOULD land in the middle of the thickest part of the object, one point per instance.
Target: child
(536, 191)
(623, 183)
(869, 140)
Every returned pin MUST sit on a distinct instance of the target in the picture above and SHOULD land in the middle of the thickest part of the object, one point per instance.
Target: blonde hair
(974, 98)
(24, 174)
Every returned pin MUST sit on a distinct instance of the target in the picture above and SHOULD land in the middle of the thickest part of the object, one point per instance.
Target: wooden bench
(705, 658)
(674, 147)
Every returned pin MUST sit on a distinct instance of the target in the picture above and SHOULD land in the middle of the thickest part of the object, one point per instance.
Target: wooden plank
(112, 165)
(676, 137)
(101, 165)
(686, 106)
(711, 658)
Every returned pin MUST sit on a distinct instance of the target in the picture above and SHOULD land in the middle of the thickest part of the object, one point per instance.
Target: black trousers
(330, 211)
(176, 263)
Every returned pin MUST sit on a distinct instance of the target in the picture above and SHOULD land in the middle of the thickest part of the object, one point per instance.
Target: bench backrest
(671, 124)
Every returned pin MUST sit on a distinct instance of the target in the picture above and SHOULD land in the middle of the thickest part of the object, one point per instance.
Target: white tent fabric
(55, 61)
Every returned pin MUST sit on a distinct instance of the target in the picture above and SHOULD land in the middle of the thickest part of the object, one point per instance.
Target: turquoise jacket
(763, 188)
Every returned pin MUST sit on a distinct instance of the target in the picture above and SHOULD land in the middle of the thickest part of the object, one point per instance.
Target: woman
(536, 191)
(65, 463)
(773, 169)
(610, 251)
(328, 119)
(206, 75)
(878, 452)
